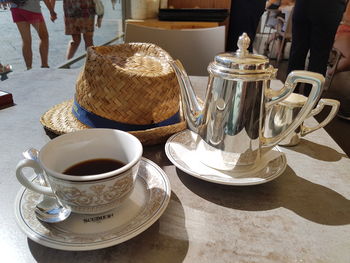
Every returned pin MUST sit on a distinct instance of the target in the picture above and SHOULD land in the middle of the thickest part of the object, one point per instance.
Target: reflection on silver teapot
(230, 123)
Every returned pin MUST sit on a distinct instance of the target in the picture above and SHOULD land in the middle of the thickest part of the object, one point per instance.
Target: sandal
(5, 69)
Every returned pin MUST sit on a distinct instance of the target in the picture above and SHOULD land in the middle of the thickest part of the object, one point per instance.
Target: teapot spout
(191, 108)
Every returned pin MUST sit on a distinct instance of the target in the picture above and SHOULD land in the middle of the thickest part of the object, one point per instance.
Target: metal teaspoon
(49, 210)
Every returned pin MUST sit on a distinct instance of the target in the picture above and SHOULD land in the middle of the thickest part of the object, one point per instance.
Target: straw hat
(130, 87)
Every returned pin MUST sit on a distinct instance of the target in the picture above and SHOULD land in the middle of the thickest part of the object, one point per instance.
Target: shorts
(21, 15)
(79, 25)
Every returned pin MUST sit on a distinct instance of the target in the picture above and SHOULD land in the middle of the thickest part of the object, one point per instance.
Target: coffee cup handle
(323, 102)
(27, 183)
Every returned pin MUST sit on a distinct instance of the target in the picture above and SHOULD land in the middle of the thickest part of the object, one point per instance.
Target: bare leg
(73, 45)
(44, 42)
(88, 39)
(24, 30)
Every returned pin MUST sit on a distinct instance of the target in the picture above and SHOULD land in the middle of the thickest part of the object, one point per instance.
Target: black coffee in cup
(94, 166)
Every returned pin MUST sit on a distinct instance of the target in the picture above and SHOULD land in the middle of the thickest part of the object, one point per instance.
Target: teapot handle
(274, 97)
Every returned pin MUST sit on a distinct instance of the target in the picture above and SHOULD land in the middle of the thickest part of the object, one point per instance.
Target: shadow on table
(157, 154)
(50, 134)
(311, 201)
(165, 241)
(317, 151)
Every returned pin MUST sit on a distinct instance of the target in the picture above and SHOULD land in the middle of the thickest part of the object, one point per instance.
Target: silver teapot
(230, 122)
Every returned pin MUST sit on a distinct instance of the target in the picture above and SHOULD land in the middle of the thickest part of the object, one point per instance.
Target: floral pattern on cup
(91, 197)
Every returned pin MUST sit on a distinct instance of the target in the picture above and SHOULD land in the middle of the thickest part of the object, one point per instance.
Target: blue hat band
(95, 121)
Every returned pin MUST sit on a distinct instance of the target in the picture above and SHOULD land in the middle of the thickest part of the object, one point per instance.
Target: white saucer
(181, 151)
(87, 232)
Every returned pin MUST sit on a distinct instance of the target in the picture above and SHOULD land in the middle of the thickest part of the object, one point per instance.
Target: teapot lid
(241, 62)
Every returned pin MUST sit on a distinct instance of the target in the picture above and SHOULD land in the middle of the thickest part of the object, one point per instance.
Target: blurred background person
(27, 13)
(244, 17)
(278, 21)
(113, 3)
(342, 43)
(4, 69)
(4, 4)
(338, 74)
(273, 4)
(79, 20)
(314, 26)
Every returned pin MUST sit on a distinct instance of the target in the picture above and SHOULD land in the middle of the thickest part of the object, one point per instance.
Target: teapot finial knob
(243, 44)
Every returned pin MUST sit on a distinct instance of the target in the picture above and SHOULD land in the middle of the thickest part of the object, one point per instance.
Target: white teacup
(93, 193)
(283, 114)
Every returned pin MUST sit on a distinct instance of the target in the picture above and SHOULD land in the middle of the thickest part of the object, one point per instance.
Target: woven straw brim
(60, 120)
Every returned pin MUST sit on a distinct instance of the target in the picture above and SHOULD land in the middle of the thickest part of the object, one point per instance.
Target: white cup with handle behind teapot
(230, 123)
(282, 114)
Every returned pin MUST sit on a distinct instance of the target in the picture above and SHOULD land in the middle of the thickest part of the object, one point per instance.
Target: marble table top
(301, 216)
